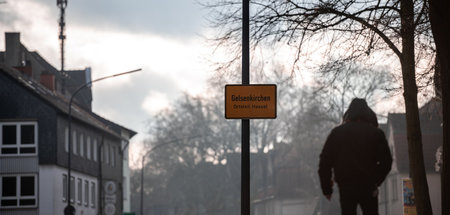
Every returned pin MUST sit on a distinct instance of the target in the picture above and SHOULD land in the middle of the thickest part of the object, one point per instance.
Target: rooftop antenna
(62, 4)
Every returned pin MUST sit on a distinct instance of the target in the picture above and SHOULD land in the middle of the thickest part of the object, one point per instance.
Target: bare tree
(439, 14)
(352, 30)
(189, 163)
(340, 82)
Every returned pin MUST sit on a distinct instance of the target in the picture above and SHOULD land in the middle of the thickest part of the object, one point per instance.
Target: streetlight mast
(69, 209)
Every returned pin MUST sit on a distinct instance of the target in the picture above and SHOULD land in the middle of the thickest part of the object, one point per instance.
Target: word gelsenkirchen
(250, 98)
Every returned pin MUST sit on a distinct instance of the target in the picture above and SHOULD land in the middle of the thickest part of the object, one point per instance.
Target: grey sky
(176, 18)
(112, 36)
(123, 103)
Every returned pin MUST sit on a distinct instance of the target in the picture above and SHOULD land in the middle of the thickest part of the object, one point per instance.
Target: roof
(114, 126)
(59, 102)
(432, 107)
(432, 138)
(48, 67)
(70, 78)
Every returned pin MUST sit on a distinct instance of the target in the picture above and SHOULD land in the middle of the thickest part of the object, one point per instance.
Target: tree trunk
(439, 16)
(415, 151)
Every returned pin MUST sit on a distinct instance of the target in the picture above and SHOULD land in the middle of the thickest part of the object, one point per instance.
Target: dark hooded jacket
(356, 151)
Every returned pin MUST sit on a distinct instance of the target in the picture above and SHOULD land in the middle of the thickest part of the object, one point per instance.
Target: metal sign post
(245, 128)
(245, 102)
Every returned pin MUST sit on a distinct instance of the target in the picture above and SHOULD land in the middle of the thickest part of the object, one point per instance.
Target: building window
(64, 182)
(81, 145)
(94, 150)
(18, 138)
(125, 150)
(18, 191)
(113, 157)
(88, 148)
(93, 192)
(86, 193)
(74, 142)
(106, 153)
(66, 139)
(80, 191)
(72, 189)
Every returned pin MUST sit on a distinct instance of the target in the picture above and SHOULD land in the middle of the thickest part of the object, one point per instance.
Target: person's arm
(326, 165)
(384, 158)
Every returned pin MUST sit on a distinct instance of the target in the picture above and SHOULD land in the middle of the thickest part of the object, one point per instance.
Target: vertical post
(69, 209)
(69, 172)
(245, 42)
(100, 175)
(245, 128)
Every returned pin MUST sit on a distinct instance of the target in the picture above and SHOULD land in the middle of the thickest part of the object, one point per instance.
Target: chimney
(13, 51)
(79, 78)
(26, 69)
(48, 80)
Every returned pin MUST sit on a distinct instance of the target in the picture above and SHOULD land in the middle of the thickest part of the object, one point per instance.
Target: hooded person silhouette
(357, 154)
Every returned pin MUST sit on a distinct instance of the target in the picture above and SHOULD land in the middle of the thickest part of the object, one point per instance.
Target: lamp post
(143, 162)
(69, 209)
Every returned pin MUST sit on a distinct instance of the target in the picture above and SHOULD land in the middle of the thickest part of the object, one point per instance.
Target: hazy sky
(164, 38)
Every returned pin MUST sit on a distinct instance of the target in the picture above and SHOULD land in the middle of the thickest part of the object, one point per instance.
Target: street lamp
(69, 209)
(143, 162)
